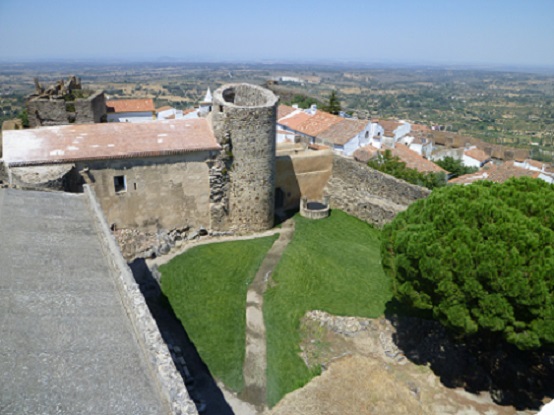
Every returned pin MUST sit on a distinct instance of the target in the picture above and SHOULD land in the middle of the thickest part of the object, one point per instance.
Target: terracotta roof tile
(318, 123)
(164, 108)
(295, 121)
(389, 126)
(70, 143)
(130, 105)
(284, 110)
(414, 160)
(477, 154)
(495, 173)
(343, 131)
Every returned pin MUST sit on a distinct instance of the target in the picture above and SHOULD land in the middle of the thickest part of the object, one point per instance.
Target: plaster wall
(160, 192)
(145, 116)
(303, 174)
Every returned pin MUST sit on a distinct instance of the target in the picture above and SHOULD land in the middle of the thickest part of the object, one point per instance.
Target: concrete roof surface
(75, 142)
(67, 344)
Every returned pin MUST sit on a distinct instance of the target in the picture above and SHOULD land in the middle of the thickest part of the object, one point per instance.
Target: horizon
(497, 33)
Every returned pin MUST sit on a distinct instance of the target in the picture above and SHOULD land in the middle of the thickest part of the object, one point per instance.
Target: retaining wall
(368, 194)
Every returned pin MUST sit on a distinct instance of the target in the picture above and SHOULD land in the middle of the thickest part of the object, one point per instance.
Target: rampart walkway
(67, 345)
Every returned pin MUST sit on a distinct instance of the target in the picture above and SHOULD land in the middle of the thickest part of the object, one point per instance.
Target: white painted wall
(178, 114)
(402, 130)
(470, 161)
(131, 117)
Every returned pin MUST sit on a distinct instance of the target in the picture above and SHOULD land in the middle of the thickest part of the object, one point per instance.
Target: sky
(451, 32)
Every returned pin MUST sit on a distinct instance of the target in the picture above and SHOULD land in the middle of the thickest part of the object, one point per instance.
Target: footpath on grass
(253, 398)
(255, 362)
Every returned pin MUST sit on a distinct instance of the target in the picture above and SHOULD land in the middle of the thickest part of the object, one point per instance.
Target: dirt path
(254, 368)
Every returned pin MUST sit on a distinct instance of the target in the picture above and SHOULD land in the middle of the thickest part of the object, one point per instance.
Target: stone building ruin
(65, 103)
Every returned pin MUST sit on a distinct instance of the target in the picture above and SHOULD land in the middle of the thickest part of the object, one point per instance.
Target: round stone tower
(243, 120)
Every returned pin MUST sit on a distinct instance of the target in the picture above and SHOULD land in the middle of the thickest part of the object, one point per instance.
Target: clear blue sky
(514, 32)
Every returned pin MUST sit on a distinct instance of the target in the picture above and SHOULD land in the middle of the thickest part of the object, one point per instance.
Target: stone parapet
(156, 353)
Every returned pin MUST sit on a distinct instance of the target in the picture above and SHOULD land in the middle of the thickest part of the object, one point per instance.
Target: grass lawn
(331, 265)
(206, 287)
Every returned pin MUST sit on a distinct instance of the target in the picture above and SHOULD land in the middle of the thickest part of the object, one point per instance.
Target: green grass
(331, 265)
(206, 287)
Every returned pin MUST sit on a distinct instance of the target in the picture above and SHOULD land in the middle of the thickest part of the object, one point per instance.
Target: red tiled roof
(311, 125)
(494, 173)
(71, 143)
(164, 108)
(389, 126)
(477, 154)
(419, 128)
(130, 105)
(414, 160)
(284, 110)
(343, 131)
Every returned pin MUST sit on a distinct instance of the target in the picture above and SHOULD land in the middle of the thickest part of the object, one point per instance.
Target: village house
(475, 157)
(499, 173)
(167, 112)
(130, 110)
(145, 175)
(393, 131)
(415, 161)
(343, 135)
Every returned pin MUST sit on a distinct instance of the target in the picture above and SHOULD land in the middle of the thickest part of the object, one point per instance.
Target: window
(367, 134)
(120, 184)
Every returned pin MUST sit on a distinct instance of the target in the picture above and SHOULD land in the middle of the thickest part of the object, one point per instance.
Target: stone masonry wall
(244, 119)
(303, 174)
(368, 194)
(160, 192)
(156, 353)
(47, 112)
(91, 110)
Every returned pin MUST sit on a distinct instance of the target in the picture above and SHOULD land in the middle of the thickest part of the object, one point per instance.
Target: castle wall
(152, 193)
(368, 194)
(244, 119)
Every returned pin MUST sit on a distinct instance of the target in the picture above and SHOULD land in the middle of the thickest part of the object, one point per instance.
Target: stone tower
(244, 119)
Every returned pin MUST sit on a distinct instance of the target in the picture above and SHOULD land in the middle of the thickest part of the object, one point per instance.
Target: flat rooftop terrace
(67, 345)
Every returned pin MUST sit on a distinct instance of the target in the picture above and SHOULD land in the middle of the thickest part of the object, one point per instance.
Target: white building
(130, 110)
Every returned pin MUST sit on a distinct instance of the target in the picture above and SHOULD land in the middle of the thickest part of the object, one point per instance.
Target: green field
(331, 265)
(206, 287)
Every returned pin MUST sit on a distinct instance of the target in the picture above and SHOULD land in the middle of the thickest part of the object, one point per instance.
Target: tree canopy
(333, 105)
(480, 258)
(455, 167)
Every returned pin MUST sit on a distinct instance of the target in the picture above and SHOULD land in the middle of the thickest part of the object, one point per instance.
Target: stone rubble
(137, 244)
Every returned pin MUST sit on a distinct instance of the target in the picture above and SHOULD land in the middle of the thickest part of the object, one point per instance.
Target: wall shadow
(200, 384)
(513, 377)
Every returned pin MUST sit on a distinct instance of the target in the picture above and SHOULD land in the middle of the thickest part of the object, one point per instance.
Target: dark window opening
(120, 184)
(367, 134)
